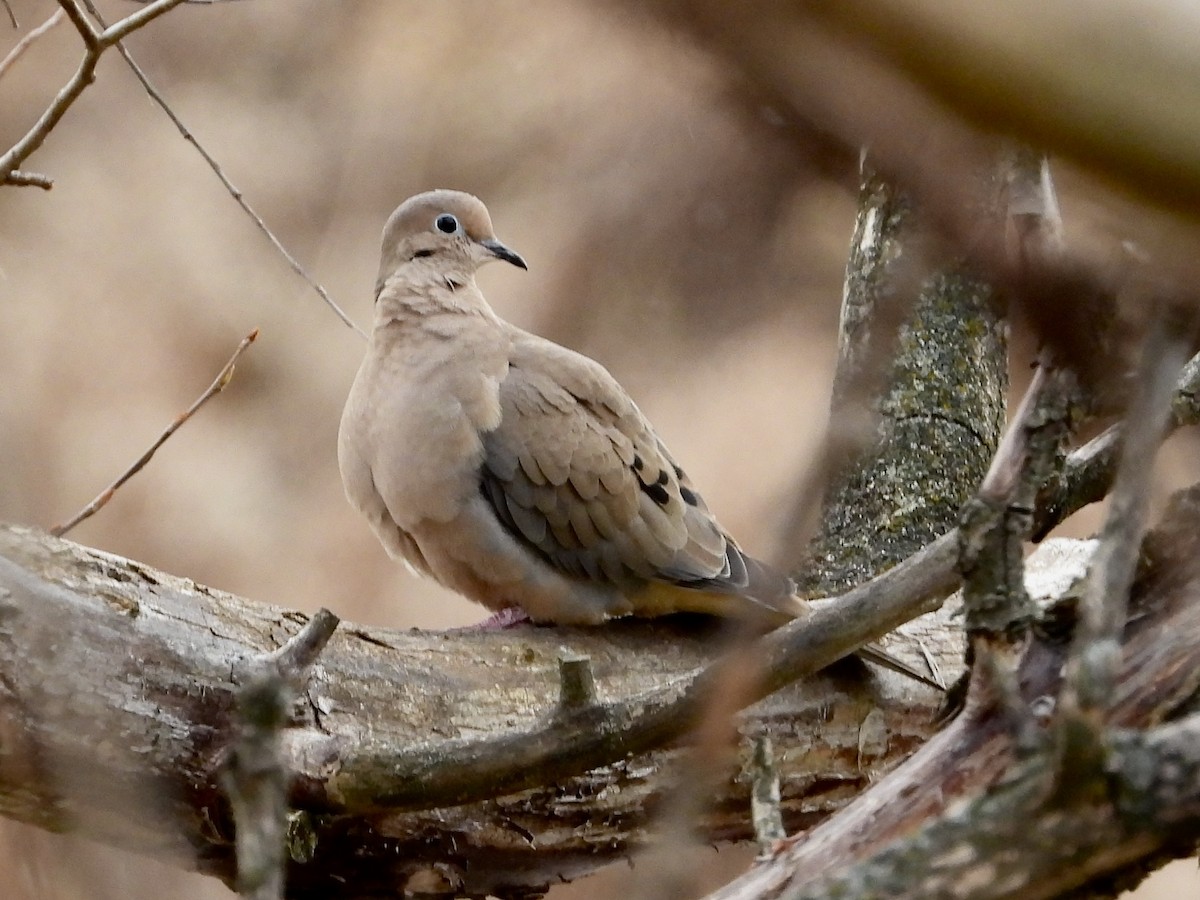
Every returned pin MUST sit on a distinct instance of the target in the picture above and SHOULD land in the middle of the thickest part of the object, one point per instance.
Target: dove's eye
(446, 223)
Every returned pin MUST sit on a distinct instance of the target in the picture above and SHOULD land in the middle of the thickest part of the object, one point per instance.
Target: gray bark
(985, 808)
(919, 398)
(118, 686)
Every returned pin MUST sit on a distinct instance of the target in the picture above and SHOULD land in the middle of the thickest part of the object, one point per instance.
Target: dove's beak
(499, 251)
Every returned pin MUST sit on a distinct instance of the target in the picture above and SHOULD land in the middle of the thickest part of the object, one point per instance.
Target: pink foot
(509, 617)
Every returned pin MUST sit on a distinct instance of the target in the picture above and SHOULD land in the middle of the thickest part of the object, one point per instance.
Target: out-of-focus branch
(1038, 70)
(28, 40)
(257, 775)
(1096, 652)
(973, 800)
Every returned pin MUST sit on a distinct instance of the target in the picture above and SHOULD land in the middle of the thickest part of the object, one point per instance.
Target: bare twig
(233, 190)
(95, 44)
(82, 25)
(131, 23)
(26, 42)
(1095, 657)
(995, 525)
(257, 778)
(215, 388)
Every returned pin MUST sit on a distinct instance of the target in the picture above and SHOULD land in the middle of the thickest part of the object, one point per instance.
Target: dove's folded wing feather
(577, 474)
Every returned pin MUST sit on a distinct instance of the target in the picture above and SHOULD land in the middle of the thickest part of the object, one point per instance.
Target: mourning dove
(515, 471)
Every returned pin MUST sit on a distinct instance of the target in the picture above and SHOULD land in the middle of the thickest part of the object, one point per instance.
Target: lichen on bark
(922, 430)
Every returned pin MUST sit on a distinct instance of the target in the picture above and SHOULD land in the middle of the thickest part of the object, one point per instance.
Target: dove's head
(440, 238)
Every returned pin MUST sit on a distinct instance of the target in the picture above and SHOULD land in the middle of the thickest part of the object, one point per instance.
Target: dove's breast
(409, 443)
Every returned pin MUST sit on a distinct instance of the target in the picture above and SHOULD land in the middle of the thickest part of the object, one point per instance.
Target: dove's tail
(755, 592)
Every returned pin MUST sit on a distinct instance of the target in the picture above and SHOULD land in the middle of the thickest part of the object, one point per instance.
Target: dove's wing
(575, 471)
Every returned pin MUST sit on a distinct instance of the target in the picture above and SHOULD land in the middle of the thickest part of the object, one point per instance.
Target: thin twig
(26, 42)
(75, 13)
(215, 388)
(233, 190)
(95, 45)
(131, 23)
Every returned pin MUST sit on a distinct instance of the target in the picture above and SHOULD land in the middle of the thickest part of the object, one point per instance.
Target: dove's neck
(409, 296)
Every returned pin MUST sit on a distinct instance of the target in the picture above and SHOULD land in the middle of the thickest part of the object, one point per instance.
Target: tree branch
(970, 805)
(117, 696)
(238, 196)
(219, 383)
(913, 426)
(95, 43)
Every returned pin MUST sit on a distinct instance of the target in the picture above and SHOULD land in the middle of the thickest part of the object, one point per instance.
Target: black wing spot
(663, 478)
(678, 472)
(656, 492)
(638, 463)
(689, 496)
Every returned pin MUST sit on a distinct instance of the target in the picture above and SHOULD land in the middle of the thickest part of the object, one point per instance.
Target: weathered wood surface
(974, 811)
(117, 684)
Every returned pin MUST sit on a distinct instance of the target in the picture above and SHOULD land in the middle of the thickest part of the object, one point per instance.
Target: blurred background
(679, 227)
